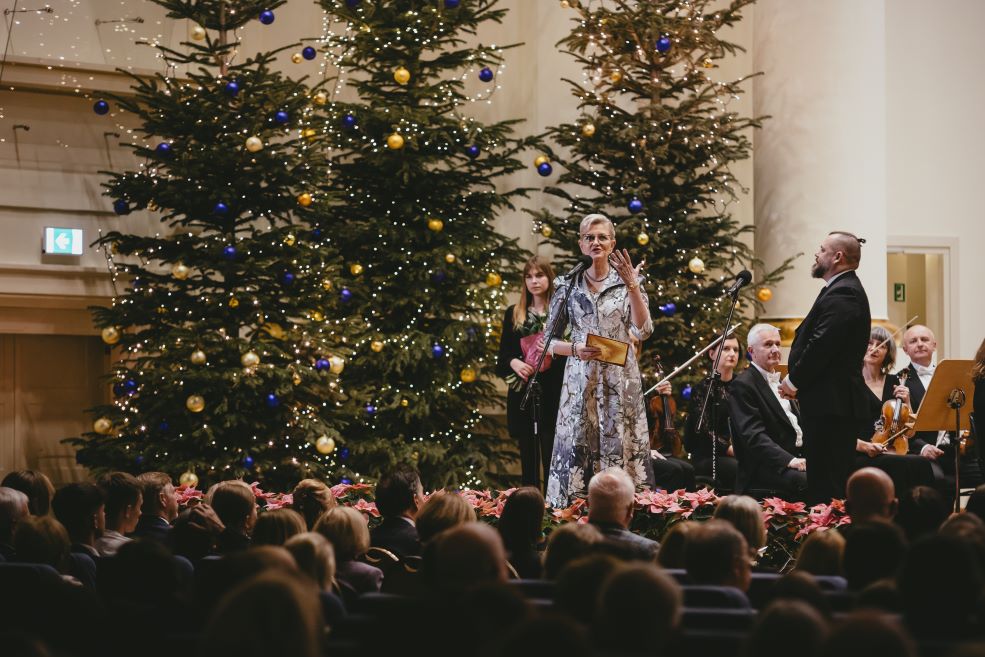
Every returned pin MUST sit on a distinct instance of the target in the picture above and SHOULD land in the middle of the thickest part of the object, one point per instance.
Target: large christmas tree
(227, 322)
(652, 150)
(417, 178)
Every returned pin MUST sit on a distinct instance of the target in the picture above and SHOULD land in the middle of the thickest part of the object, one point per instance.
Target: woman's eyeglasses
(601, 239)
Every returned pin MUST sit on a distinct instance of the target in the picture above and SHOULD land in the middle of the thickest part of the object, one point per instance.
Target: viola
(664, 433)
(895, 424)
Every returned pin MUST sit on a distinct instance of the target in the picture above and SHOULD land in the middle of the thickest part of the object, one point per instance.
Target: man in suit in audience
(81, 508)
(13, 509)
(611, 498)
(159, 509)
(825, 368)
(399, 496)
(766, 433)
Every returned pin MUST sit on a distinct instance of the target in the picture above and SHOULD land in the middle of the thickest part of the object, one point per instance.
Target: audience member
(14, 507)
(348, 532)
(870, 496)
(566, 544)
(873, 551)
(638, 596)
(35, 485)
(881, 595)
(443, 510)
(399, 497)
(123, 495)
(521, 528)
(968, 529)
(43, 540)
(316, 560)
(576, 594)
(784, 627)
(235, 504)
(940, 583)
(464, 557)
(922, 510)
(671, 554)
(546, 635)
(225, 574)
(746, 515)
(611, 501)
(976, 501)
(195, 534)
(867, 633)
(716, 554)
(802, 587)
(312, 498)
(822, 553)
(81, 509)
(160, 507)
(276, 526)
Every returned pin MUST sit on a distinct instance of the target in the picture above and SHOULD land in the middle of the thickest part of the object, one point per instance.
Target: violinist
(880, 439)
(671, 471)
(699, 443)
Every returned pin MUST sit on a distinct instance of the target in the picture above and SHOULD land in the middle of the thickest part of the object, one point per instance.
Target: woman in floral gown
(601, 422)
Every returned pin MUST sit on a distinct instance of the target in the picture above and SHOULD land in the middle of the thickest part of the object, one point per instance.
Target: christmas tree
(652, 150)
(227, 321)
(417, 180)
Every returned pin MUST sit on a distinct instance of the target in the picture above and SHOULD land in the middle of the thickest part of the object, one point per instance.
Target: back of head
(976, 501)
(464, 557)
(120, 490)
(234, 569)
(443, 510)
(234, 502)
(822, 553)
(195, 532)
(866, 633)
(145, 573)
(155, 486)
(873, 551)
(798, 585)
(314, 556)
(522, 519)
(716, 554)
(940, 582)
(35, 485)
(13, 508)
(968, 529)
(671, 554)
(567, 543)
(637, 596)
(272, 614)
(546, 634)
(396, 490)
(610, 496)
(784, 625)
(922, 510)
(746, 515)
(579, 583)
(870, 495)
(42, 539)
(76, 507)
(276, 526)
(347, 530)
(312, 498)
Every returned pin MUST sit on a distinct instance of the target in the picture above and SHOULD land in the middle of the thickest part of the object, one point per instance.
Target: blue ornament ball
(439, 276)
(121, 207)
(273, 401)
(345, 295)
(437, 351)
(668, 309)
(309, 52)
(344, 454)
(248, 461)
(163, 426)
(352, 4)
(231, 88)
(473, 151)
(663, 44)
(635, 206)
(686, 392)
(287, 278)
(163, 149)
(138, 459)
(100, 107)
(220, 208)
(348, 122)
(545, 169)
(282, 117)
(452, 4)
(229, 252)
(322, 364)
(118, 389)
(130, 386)
(316, 233)
(486, 74)
(346, 481)
(370, 409)
(267, 17)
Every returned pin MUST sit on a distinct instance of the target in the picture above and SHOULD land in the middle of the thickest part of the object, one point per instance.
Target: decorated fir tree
(652, 150)
(419, 184)
(226, 320)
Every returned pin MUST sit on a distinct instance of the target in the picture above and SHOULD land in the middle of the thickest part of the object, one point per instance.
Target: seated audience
(43, 540)
(35, 485)
(578, 585)
(443, 510)
(464, 557)
(716, 554)
(922, 510)
(783, 625)
(348, 532)
(870, 496)
(316, 560)
(611, 502)
(798, 585)
(81, 509)
(276, 526)
(745, 514)
(976, 501)
(867, 633)
(196, 532)
(160, 507)
(521, 528)
(671, 554)
(968, 529)
(873, 551)
(822, 553)
(637, 596)
(546, 634)
(235, 504)
(123, 495)
(399, 497)
(940, 583)
(14, 507)
(312, 498)
(566, 544)
(223, 575)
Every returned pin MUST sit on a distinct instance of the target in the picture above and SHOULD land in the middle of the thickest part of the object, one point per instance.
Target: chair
(542, 589)
(733, 620)
(714, 597)
(380, 557)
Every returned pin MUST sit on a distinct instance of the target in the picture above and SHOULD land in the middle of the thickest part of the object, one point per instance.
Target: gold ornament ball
(615, 77)
(404, 403)
(195, 403)
(395, 141)
(435, 224)
(198, 33)
(161, 310)
(325, 445)
(336, 364)
(296, 379)
(250, 359)
(642, 239)
(565, 4)
(297, 58)
(180, 271)
(234, 303)
(493, 279)
(275, 330)
(320, 98)
(317, 316)
(401, 75)
(326, 284)
(450, 258)
(309, 133)
(355, 269)
(289, 239)
(189, 479)
(102, 426)
(708, 63)
(696, 265)
(254, 144)
(764, 294)
(198, 357)
(304, 199)
(376, 345)
(546, 231)
(467, 375)
(541, 159)
(588, 129)
(111, 335)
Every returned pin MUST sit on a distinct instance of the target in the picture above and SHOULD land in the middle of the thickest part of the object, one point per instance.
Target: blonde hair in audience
(347, 530)
(315, 557)
(443, 510)
(745, 514)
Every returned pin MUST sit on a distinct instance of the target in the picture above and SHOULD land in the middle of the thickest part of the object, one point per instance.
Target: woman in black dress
(699, 444)
(978, 401)
(519, 347)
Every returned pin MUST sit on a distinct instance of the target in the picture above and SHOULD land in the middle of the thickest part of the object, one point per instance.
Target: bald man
(825, 367)
(871, 496)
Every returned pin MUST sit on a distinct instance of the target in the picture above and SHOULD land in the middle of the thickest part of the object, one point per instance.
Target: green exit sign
(62, 241)
(899, 291)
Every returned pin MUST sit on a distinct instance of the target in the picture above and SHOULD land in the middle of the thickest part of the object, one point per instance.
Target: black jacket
(917, 392)
(762, 436)
(398, 536)
(825, 360)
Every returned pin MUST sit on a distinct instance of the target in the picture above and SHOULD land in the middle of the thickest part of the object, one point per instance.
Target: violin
(895, 424)
(664, 434)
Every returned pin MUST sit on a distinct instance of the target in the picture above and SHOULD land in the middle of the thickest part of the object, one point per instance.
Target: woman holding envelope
(519, 350)
(601, 422)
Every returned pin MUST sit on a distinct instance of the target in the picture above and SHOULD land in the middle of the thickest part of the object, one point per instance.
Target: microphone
(742, 279)
(584, 262)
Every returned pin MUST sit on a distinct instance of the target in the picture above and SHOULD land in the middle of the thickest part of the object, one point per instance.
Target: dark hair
(75, 505)
(522, 519)
(567, 543)
(154, 484)
(35, 485)
(42, 539)
(312, 498)
(671, 554)
(120, 490)
(922, 510)
(976, 501)
(783, 625)
(276, 526)
(873, 551)
(711, 550)
(866, 633)
(940, 601)
(576, 593)
(635, 596)
(396, 490)
(233, 502)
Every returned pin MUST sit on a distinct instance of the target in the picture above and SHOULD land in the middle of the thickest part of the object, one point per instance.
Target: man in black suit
(399, 496)
(825, 367)
(159, 509)
(611, 500)
(766, 431)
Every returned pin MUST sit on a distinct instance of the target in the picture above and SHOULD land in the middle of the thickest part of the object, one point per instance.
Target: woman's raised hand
(624, 266)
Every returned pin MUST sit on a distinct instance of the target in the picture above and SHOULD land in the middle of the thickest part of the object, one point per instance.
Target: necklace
(597, 280)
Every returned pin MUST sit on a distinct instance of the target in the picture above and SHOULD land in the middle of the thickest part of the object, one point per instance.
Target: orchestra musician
(699, 443)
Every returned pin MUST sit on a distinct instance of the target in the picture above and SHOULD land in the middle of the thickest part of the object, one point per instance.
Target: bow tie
(924, 371)
(773, 378)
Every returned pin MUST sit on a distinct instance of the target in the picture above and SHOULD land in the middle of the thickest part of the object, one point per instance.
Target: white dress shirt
(773, 381)
(110, 542)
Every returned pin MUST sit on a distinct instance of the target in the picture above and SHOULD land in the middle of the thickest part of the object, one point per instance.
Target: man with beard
(825, 367)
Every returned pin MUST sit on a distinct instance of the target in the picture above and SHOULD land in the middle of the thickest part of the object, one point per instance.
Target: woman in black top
(978, 401)
(523, 326)
(698, 444)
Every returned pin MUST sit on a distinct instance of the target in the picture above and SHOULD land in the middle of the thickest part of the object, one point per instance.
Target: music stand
(945, 407)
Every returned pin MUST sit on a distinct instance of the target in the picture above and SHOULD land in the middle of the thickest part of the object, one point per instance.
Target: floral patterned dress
(601, 422)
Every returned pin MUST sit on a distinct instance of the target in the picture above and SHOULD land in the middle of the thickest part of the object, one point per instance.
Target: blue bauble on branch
(346, 480)
(545, 169)
(281, 117)
(130, 386)
(100, 107)
(273, 401)
(668, 309)
(121, 207)
(309, 52)
(452, 4)
(287, 278)
(344, 454)
(345, 295)
(348, 122)
(322, 364)
(267, 17)
(473, 151)
(486, 74)
(138, 459)
(248, 461)
(370, 409)
(231, 88)
(352, 4)
(437, 351)
(663, 44)
(635, 205)
(118, 390)
(229, 252)
(220, 208)
(163, 149)
(686, 392)
(163, 426)
(439, 276)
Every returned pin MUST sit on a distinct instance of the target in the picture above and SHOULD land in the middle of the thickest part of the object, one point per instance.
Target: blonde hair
(315, 557)
(311, 498)
(276, 526)
(745, 514)
(442, 511)
(526, 299)
(347, 530)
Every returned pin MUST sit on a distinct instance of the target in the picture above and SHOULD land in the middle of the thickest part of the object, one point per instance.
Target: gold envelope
(613, 351)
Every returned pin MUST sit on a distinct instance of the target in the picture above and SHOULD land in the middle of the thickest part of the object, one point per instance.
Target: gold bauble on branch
(161, 310)
(493, 279)
(696, 265)
(355, 269)
(189, 479)
(435, 224)
(297, 58)
(336, 364)
(198, 33)
(326, 284)
(764, 294)
(289, 239)
(296, 379)
(541, 159)
(401, 75)
(325, 445)
(110, 335)
(254, 144)
(309, 133)
(275, 330)
(234, 303)
(588, 130)
(615, 77)
(546, 231)
(102, 426)
(450, 258)
(317, 316)
(467, 375)
(180, 271)
(376, 345)
(395, 141)
(643, 239)
(320, 98)
(404, 402)
(304, 199)
(708, 63)
(198, 357)
(250, 359)
(195, 403)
